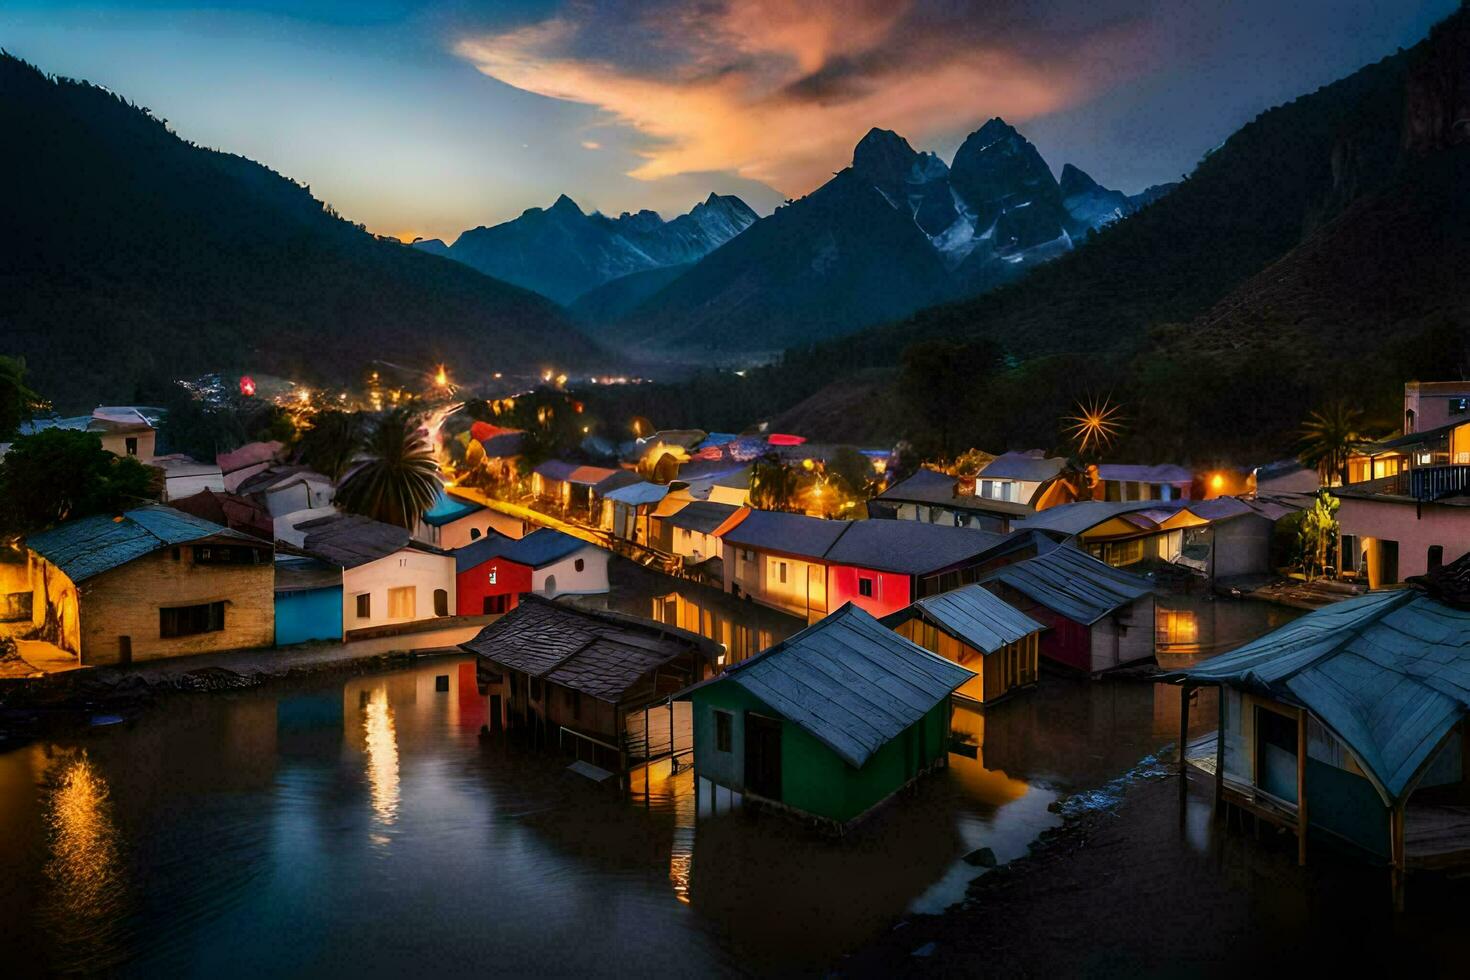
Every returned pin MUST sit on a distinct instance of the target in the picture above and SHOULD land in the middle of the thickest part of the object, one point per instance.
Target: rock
(982, 857)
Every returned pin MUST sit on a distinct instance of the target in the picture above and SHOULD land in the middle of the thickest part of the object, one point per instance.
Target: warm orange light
(1217, 482)
(441, 377)
(247, 386)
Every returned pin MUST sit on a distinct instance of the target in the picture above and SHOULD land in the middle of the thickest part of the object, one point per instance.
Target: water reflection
(380, 740)
(84, 872)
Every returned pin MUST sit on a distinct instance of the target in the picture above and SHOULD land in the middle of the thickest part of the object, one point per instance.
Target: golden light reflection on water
(84, 871)
(381, 740)
(992, 786)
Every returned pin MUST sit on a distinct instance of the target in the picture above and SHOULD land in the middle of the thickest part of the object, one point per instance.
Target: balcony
(1431, 482)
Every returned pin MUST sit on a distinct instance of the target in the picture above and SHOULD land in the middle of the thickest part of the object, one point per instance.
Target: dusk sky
(426, 118)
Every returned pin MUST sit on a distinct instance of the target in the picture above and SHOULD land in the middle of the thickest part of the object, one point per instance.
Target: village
(802, 633)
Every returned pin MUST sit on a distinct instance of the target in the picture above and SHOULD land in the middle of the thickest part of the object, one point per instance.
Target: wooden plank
(1301, 787)
(1184, 692)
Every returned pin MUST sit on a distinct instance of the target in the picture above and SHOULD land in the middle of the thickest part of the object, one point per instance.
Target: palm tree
(1329, 437)
(399, 479)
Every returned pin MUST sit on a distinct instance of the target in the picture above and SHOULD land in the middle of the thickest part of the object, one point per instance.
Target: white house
(455, 521)
(387, 578)
(288, 489)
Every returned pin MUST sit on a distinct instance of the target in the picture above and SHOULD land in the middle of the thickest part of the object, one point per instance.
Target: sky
(428, 117)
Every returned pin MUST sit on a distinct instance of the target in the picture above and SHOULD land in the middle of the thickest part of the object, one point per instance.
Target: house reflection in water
(967, 761)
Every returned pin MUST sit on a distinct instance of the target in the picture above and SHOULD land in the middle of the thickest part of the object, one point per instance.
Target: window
(492, 574)
(865, 586)
(224, 555)
(131, 442)
(365, 606)
(402, 602)
(781, 573)
(474, 534)
(208, 617)
(15, 607)
(1459, 406)
(579, 564)
(724, 723)
(441, 602)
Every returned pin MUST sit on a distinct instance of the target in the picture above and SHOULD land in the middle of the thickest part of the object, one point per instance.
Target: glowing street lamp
(441, 377)
(247, 386)
(1095, 425)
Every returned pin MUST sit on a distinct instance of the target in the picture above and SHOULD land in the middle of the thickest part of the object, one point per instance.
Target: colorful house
(978, 630)
(1098, 617)
(596, 684)
(1392, 529)
(1350, 724)
(151, 583)
(627, 510)
(828, 724)
(689, 530)
(308, 600)
(1031, 478)
(455, 521)
(931, 497)
(495, 571)
(1124, 481)
(388, 579)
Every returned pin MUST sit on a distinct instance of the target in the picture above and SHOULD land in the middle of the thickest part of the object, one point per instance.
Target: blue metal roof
(449, 508)
(93, 545)
(1388, 673)
(1072, 584)
(849, 681)
(972, 614)
(537, 549)
(478, 552)
(636, 494)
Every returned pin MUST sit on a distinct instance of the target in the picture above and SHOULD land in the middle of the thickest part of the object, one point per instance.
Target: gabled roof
(790, 534)
(538, 549)
(228, 510)
(932, 487)
(279, 477)
(1031, 467)
(848, 681)
(1075, 518)
(350, 540)
(1072, 584)
(492, 544)
(250, 454)
(703, 516)
(908, 547)
(638, 494)
(615, 480)
(1161, 475)
(973, 614)
(93, 545)
(302, 573)
(582, 475)
(448, 508)
(600, 654)
(1388, 673)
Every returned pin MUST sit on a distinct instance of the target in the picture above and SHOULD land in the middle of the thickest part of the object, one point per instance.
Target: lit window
(402, 601)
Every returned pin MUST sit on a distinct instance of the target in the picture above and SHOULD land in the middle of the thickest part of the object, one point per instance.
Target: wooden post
(1396, 854)
(1184, 692)
(1301, 787)
(1220, 752)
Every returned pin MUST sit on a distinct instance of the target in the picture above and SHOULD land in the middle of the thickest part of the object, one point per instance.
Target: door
(1276, 755)
(1389, 562)
(124, 650)
(763, 756)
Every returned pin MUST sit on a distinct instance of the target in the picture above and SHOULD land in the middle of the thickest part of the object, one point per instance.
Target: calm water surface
(365, 827)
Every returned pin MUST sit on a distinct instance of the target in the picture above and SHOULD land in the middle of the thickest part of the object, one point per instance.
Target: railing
(1431, 482)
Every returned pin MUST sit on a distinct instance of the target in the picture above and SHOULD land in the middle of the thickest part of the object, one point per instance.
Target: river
(365, 826)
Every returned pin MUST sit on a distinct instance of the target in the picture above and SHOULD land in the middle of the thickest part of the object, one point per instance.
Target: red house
(495, 571)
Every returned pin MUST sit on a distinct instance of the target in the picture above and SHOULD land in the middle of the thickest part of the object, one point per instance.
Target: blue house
(308, 600)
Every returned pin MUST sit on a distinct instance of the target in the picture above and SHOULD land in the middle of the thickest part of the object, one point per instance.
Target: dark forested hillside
(132, 255)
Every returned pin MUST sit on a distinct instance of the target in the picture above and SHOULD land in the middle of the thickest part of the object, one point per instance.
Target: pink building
(1386, 536)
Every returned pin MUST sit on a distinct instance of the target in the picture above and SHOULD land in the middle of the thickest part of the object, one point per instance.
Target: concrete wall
(126, 602)
(471, 527)
(803, 593)
(117, 443)
(1414, 529)
(308, 614)
(53, 601)
(423, 571)
(565, 578)
(1125, 636)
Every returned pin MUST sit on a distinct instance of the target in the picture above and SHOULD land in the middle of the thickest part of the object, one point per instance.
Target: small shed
(829, 723)
(978, 630)
(1099, 617)
(1350, 723)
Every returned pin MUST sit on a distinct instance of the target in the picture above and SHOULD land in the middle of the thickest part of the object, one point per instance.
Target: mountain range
(562, 252)
(136, 257)
(896, 231)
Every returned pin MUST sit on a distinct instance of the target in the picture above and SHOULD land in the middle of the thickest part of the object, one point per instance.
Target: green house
(828, 724)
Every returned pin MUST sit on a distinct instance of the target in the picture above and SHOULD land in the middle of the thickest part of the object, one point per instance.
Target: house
(241, 464)
(454, 521)
(308, 600)
(1283, 478)
(978, 630)
(1122, 481)
(1221, 537)
(1349, 724)
(125, 430)
(594, 683)
(230, 510)
(931, 497)
(626, 510)
(827, 724)
(288, 489)
(183, 477)
(1031, 478)
(720, 483)
(1432, 404)
(495, 571)
(807, 566)
(502, 448)
(1404, 525)
(570, 486)
(153, 582)
(1098, 617)
(388, 579)
(689, 530)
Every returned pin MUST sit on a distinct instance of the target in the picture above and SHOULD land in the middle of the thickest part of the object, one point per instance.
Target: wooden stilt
(1220, 753)
(1301, 787)
(1396, 853)
(1184, 693)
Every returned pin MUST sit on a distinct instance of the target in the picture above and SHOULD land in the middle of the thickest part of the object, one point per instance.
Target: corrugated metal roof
(1073, 584)
(703, 516)
(350, 540)
(638, 494)
(908, 547)
(93, 545)
(1074, 518)
(972, 614)
(1023, 466)
(849, 681)
(300, 573)
(1388, 672)
(448, 508)
(1162, 474)
(791, 534)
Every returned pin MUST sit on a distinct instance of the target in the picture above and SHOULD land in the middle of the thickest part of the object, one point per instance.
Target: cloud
(780, 90)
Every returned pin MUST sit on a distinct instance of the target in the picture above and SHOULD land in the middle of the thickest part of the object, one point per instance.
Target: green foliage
(332, 442)
(852, 471)
(61, 474)
(940, 380)
(16, 400)
(1329, 437)
(399, 479)
(774, 485)
(1317, 533)
(203, 431)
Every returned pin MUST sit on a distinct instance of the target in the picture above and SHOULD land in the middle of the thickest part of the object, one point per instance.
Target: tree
(61, 474)
(852, 471)
(399, 479)
(1318, 533)
(1329, 437)
(939, 381)
(773, 484)
(333, 442)
(16, 400)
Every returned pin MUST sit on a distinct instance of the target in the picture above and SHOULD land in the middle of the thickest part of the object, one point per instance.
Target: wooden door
(124, 650)
(763, 756)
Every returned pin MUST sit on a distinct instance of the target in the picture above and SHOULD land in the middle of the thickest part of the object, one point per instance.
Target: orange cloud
(780, 90)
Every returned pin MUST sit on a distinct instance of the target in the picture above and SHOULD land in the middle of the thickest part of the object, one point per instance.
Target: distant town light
(304, 395)
(441, 377)
(247, 386)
